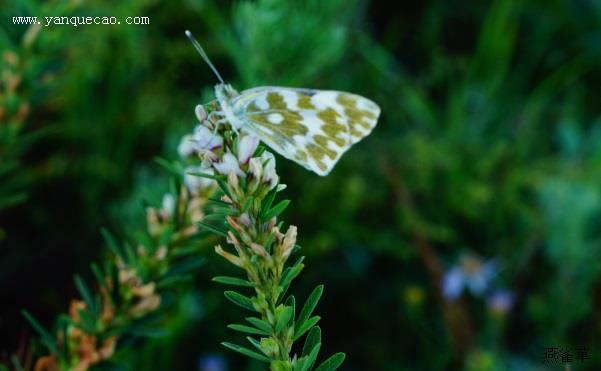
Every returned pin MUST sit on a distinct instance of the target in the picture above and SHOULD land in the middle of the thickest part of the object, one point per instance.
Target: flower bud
(200, 113)
(246, 147)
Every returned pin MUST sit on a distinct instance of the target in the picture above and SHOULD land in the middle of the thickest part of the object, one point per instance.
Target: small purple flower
(472, 274)
(501, 301)
(212, 362)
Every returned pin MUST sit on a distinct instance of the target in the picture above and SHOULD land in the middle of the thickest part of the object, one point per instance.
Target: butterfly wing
(311, 127)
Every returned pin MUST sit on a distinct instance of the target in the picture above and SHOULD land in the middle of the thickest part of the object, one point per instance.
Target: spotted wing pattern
(311, 127)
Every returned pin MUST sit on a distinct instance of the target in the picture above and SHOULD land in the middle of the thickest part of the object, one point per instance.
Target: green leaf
(87, 296)
(173, 167)
(223, 186)
(233, 281)
(332, 363)
(260, 324)
(246, 352)
(219, 202)
(255, 343)
(280, 366)
(247, 204)
(113, 245)
(16, 363)
(204, 175)
(185, 266)
(247, 329)
(173, 280)
(98, 274)
(311, 358)
(267, 202)
(289, 274)
(87, 321)
(214, 229)
(313, 339)
(291, 302)
(166, 236)
(240, 300)
(310, 305)
(300, 330)
(269, 241)
(283, 317)
(48, 340)
(276, 210)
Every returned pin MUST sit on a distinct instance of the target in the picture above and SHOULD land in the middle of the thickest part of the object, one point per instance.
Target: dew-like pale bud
(145, 290)
(255, 168)
(259, 250)
(145, 305)
(255, 171)
(269, 173)
(289, 242)
(230, 257)
(168, 204)
(161, 253)
(108, 347)
(245, 219)
(200, 112)
(247, 145)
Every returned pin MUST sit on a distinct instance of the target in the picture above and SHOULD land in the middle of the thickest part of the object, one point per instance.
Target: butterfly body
(310, 127)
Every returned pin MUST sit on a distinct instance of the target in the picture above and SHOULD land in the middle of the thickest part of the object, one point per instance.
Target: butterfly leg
(218, 118)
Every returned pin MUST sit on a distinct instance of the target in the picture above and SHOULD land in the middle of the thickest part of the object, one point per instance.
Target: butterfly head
(225, 92)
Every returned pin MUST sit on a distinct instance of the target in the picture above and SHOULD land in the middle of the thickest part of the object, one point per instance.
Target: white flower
(195, 183)
(269, 174)
(229, 164)
(200, 113)
(246, 147)
(255, 168)
(205, 139)
(186, 146)
(168, 204)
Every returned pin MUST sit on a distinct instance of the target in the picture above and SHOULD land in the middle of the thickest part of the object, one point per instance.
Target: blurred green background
(488, 150)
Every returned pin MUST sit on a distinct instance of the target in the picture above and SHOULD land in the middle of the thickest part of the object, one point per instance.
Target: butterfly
(313, 128)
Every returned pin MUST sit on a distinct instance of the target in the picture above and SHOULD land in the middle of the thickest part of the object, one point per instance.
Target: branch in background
(455, 313)
(130, 283)
(15, 108)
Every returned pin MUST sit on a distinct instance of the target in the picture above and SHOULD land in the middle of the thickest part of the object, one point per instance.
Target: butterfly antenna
(204, 55)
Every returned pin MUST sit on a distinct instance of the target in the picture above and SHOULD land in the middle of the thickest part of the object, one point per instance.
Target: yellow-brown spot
(323, 143)
(300, 155)
(291, 123)
(331, 127)
(354, 114)
(304, 102)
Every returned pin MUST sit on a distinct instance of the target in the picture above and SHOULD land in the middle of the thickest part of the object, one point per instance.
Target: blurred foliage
(489, 143)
